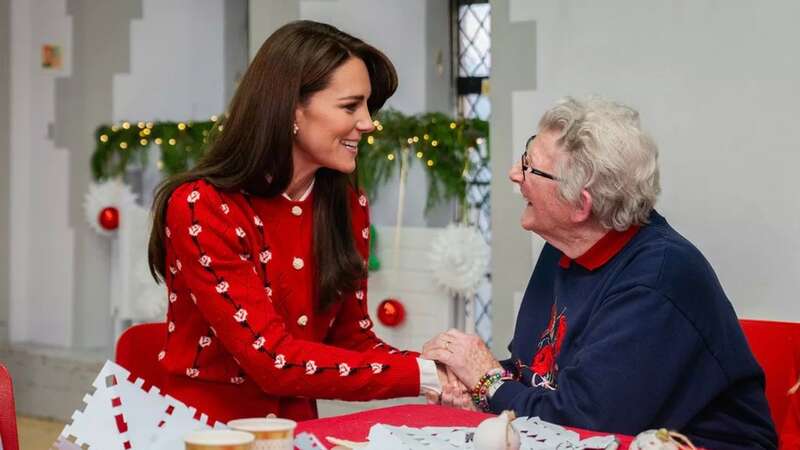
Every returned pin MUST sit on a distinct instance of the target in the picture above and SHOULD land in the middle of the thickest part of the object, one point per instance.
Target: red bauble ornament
(109, 218)
(391, 312)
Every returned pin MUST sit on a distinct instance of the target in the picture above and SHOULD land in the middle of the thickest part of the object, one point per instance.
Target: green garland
(120, 145)
(442, 144)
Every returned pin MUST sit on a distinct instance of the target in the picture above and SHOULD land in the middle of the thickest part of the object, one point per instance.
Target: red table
(355, 427)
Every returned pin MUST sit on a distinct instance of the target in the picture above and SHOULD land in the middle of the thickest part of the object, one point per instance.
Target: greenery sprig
(447, 147)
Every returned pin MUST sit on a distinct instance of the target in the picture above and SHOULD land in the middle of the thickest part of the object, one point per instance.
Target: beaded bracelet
(478, 393)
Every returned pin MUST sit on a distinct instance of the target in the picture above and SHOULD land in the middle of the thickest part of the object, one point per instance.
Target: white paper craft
(120, 415)
(535, 434)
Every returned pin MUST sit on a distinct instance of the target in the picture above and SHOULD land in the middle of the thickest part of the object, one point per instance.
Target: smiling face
(546, 213)
(331, 122)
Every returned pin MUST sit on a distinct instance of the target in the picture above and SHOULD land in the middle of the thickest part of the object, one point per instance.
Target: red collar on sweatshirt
(603, 250)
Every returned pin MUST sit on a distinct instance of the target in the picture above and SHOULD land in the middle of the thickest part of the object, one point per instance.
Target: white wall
(717, 86)
(42, 243)
(176, 69)
(176, 72)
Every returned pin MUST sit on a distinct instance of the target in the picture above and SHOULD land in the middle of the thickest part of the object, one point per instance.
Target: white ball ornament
(459, 259)
(497, 433)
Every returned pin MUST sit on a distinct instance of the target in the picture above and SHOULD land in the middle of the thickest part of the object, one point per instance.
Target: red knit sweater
(244, 338)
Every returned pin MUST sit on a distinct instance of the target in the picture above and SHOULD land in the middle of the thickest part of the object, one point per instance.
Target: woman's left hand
(466, 355)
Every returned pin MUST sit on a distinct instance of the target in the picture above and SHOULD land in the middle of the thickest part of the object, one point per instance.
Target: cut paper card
(121, 415)
(535, 434)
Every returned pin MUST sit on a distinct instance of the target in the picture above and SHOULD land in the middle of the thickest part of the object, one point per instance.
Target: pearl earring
(295, 128)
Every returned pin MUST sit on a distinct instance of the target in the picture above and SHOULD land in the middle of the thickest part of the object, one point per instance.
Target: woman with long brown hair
(263, 244)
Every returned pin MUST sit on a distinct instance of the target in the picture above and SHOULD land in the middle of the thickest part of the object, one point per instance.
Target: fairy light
(103, 138)
(114, 128)
(376, 123)
(149, 125)
(415, 139)
(126, 125)
(430, 163)
(419, 155)
(480, 141)
(390, 156)
(434, 143)
(172, 141)
(370, 140)
(140, 125)
(146, 132)
(219, 128)
(426, 136)
(410, 140)
(123, 145)
(379, 127)
(158, 141)
(452, 125)
(214, 118)
(143, 142)
(181, 126)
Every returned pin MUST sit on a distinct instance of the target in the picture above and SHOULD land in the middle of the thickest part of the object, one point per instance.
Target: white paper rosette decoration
(460, 258)
(110, 193)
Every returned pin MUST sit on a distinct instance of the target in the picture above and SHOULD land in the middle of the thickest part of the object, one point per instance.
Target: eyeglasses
(528, 168)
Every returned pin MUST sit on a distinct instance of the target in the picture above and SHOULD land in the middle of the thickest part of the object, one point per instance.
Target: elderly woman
(624, 325)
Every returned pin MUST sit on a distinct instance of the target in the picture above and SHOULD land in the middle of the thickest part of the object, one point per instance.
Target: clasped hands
(461, 360)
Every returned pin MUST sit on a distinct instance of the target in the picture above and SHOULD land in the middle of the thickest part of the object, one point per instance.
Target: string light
(390, 156)
(379, 127)
(480, 141)
(140, 125)
(370, 140)
(219, 128)
(172, 141)
(419, 154)
(126, 125)
(114, 128)
(123, 145)
(158, 141)
(430, 163)
(143, 142)
(426, 136)
(415, 139)
(181, 126)
(376, 123)
(103, 138)
(214, 118)
(146, 131)
(452, 125)
(149, 125)
(410, 140)
(434, 143)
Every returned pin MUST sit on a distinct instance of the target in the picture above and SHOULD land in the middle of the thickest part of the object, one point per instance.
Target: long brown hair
(254, 150)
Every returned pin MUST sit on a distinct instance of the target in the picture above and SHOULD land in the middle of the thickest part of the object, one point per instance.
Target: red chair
(776, 346)
(137, 351)
(8, 412)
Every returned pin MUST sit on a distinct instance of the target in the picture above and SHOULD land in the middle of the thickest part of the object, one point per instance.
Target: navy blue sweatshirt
(636, 334)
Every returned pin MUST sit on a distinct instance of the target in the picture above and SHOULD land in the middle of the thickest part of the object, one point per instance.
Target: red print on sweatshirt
(544, 365)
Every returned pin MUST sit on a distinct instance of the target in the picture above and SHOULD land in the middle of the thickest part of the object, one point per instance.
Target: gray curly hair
(609, 155)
